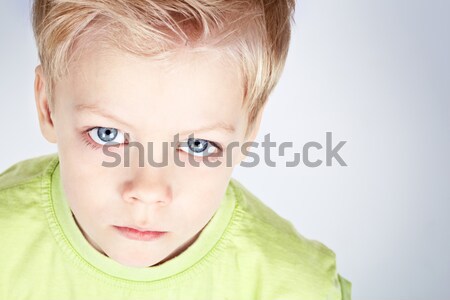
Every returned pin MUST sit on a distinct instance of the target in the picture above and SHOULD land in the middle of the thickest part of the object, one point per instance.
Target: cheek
(199, 194)
(233, 154)
(87, 189)
(202, 182)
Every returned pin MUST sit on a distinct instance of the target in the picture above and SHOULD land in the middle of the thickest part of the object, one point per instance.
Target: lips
(139, 235)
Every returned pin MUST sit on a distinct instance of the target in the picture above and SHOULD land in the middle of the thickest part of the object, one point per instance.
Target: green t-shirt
(246, 251)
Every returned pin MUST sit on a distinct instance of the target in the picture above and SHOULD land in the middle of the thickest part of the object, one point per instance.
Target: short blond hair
(256, 34)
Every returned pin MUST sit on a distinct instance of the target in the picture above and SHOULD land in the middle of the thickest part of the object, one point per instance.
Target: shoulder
(21, 185)
(300, 266)
(23, 217)
(26, 171)
(266, 225)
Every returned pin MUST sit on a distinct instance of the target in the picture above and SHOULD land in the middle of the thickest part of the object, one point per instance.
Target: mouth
(139, 235)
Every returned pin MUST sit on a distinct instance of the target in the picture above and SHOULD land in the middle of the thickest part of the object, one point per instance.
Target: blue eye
(199, 147)
(104, 135)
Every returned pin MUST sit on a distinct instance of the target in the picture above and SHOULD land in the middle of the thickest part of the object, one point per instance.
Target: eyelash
(214, 144)
(88, 142)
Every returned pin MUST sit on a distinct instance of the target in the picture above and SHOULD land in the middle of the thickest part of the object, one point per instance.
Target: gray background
(377, 75)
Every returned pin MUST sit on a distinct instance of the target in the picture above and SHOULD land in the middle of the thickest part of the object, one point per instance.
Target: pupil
(107, 134)
(197, 145)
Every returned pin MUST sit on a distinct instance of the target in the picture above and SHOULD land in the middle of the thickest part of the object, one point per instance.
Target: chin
(139, 264)
(135, 260)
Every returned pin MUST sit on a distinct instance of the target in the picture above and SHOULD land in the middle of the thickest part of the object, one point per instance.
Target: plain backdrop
(374, 73)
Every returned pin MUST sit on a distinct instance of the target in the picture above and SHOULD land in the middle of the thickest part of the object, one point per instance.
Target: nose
(148, 185)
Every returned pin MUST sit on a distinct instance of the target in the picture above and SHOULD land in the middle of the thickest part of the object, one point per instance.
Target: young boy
(116, 214)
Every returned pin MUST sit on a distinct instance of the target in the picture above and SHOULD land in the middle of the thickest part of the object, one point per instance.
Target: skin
(155, 100)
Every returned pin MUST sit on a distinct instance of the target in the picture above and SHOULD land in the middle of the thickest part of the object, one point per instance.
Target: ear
(42, 106)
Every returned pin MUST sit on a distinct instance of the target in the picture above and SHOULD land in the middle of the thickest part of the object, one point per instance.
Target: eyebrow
(96, 110)
(228, 128)
(219, 125)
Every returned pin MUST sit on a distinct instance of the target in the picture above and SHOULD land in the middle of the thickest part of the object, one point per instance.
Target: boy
(121, 78)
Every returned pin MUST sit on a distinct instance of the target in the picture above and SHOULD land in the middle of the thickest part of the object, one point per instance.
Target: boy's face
(109, 93)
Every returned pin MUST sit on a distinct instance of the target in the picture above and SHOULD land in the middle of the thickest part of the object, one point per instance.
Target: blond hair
(255, 33)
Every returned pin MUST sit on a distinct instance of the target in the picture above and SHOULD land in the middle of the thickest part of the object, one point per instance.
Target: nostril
(141, 189)
(154, 198)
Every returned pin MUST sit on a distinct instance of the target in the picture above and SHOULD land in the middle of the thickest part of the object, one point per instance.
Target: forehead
(200, 88)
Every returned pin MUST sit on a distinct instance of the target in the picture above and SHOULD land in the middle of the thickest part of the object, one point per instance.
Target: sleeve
(341, 290)
(346, 288)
